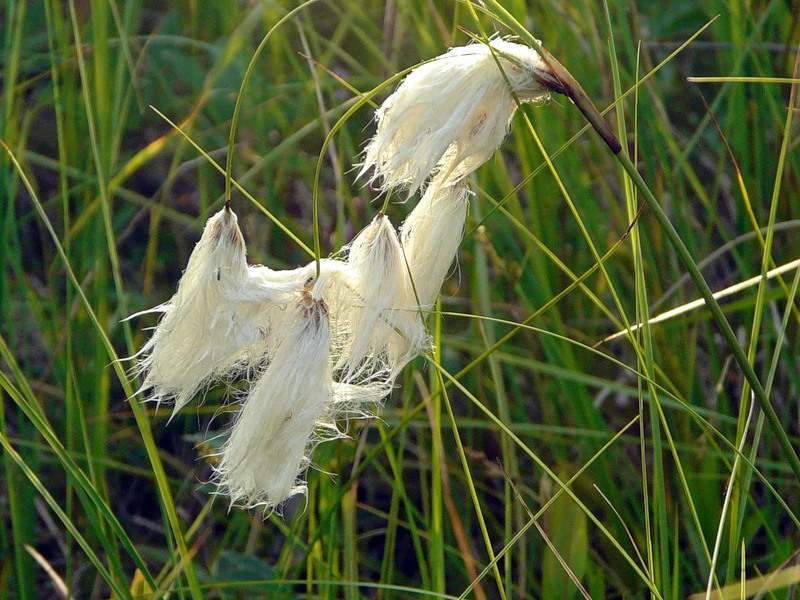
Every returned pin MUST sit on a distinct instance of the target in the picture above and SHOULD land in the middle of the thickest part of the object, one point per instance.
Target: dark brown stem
(569, 87)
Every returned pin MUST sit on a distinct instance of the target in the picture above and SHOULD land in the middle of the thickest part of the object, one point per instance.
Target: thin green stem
(470, 483)
(595, 118)
(385, 206)
(716, 312)
(238, 107)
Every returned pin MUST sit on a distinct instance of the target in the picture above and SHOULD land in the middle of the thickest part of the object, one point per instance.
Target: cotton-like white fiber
(459, 99)
(271, 440)
(528, 74)
(431, 235)
(376, 261)
(219, 319)
(321, 344)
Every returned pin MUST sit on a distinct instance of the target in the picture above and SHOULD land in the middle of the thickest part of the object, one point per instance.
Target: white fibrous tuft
(528, 74)
(313, 347)
(376, 261)
(431, 235)
(271, 441)
(219, 320)
(459, 103)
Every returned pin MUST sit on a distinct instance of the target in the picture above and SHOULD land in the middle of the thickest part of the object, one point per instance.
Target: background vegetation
(459, 488)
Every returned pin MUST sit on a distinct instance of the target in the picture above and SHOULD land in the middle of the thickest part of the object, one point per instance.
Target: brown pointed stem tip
(561, 81)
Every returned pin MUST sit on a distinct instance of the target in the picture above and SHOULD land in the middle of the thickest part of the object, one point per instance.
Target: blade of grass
(574, 578)
(706, 424)
(19, 492)
(120, 591)
(139, 414)
(236, 184)
(101, 99)
(438, 464)
(468, 476)
(513, 517)
(738, 507)
(240, 95)
(655, 531)
(23, 397)
(99, 131)
(697, 277)
(542, 465)
(556, 495)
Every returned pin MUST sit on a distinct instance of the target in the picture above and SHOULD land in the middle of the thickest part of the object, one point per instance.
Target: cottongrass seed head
(293, 406)
(272, 437)
(459, 102)
(376, 261)
(273, 329)
(218, 320)
(316, 346)
(431, 235)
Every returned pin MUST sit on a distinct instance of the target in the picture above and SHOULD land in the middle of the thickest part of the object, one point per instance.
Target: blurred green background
(105, 498)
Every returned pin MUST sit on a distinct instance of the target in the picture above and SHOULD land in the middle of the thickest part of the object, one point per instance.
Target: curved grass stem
(240, 95)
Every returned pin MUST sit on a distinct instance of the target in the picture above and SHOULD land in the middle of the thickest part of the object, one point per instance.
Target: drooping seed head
(271, 440)
(219, 320)
(457, 105)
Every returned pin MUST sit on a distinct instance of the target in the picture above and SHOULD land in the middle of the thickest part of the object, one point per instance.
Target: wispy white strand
(352, 401)
(460, 103)
(271, 441)
(218, 321)
(294, 406)
(376, 261)
(431, 235)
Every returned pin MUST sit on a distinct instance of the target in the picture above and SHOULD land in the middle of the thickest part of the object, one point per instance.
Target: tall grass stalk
(532, 453)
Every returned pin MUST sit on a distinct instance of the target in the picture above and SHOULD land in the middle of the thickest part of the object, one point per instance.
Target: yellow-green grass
(641, 462)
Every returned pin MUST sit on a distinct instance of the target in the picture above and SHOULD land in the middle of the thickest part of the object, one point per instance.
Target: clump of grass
(642, 460)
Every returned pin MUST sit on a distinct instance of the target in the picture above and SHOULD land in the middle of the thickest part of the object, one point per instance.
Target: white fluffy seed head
(271, 441)
(459, 103)
(327, 346)
(431, 235)
(376, 261)
(219, 320)
(290, 409)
